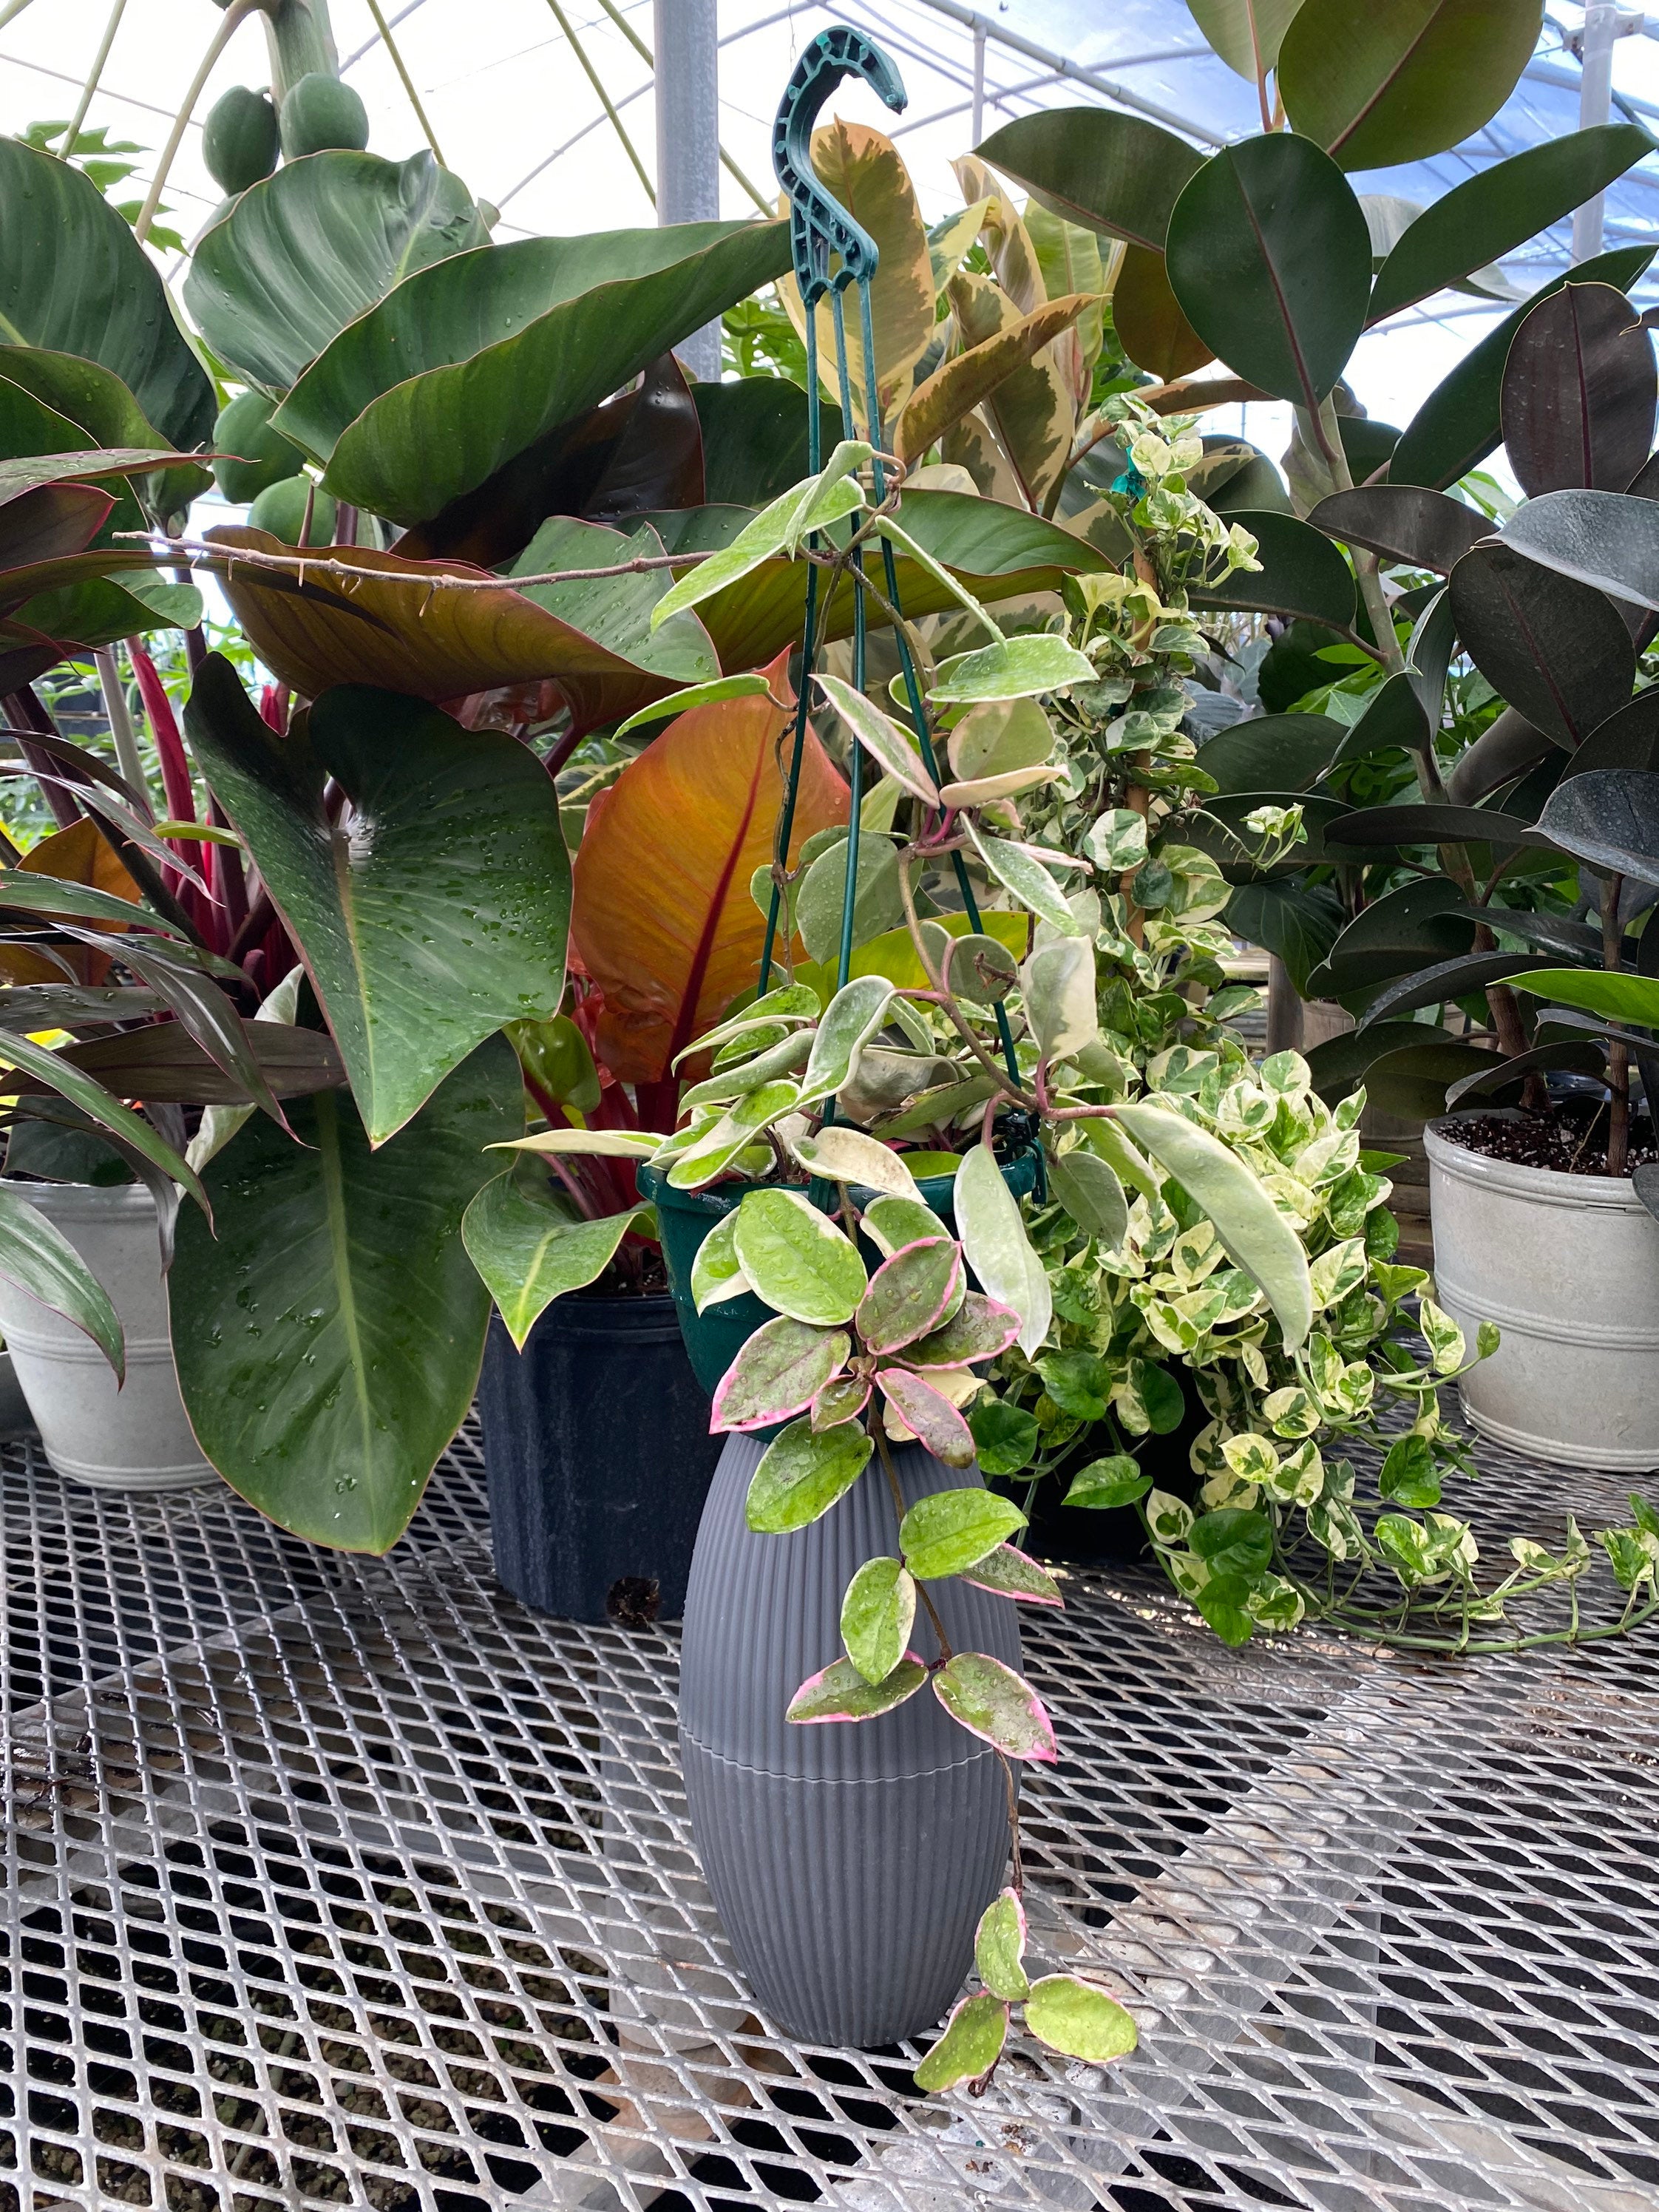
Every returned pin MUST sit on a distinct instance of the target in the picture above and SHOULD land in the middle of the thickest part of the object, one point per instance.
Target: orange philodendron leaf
(662, 919)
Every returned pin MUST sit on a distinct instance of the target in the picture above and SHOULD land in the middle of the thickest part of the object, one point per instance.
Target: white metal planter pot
(1568, 1267)
(134, 1439)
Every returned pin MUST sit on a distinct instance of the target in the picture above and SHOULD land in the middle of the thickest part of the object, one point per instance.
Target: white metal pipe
(687, 69)
(1603, 24)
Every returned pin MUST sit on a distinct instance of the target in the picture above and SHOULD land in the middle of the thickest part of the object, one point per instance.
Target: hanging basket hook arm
(819, 226)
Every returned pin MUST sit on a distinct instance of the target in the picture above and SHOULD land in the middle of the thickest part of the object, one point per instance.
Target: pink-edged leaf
(911, 1294)
(839, 1693)
(994, 1704)
(1000, 1947)
(1077, 2017)
(931, 1419)
(779, 1371)
(842, 1399)
(979, 1329)
(1014, 1574)
(970, 2045)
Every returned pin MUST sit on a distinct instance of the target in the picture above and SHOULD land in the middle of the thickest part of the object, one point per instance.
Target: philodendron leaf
(1015, 1574)
(993, 1703)
(848, 1155)
(1257, 1236)
(911, 1294)
(779, 1371)
(717, 1273)
(530, 1246)
(1079, 2018)
(928, 1415)
(1091, 1193)
(881, 737)
(37, 1256)
(1059, 984)
(840, 1693)
(1022, 667)
(797, 1260)
(970, 2045)
(979, 1329)
(850, 1020)
(802, 1474)
(716, 1148)
(877, 1614)
(951, 1530)
(997, 1247)
(358, 1331)
(1000, 1948)
(431, 906)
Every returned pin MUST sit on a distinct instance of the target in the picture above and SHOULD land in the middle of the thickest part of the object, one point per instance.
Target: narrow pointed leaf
(37, 1256)
(959, 387)
(1028, 879)
(80, 1088)
(993, 1703)
(801, 1474)
(881, 737)
(712, 1152)
(839, 1693)
(997, 1247)
(605, 1144)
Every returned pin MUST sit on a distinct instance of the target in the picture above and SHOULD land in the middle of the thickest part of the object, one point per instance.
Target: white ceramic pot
(134, 1439)
(1568, 1267)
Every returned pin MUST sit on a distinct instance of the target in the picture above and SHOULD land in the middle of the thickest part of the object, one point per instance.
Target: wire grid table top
(334, 1881)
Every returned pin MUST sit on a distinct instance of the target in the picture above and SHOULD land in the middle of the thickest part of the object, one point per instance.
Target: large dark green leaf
(1431, 825)
(1299, 923)
(433, 909)
(1489, 215)
(1403, 523)
(1556, 649)
(1609, 817)
(1117, 173)
(1398, 82)
(467, 363)
(1395, 721)
(1577, 399)
(1605, 541)
(1274, 753)
(1458, 424)
(102, 413)
(1405, 930)
(329, 1338)
(1447, 979)
(754, 438)
(1301, 573)
(1270, 257)
(74, 278)
(1628, 739)
(309, 250)
(1341, 1061)
(1148, 318)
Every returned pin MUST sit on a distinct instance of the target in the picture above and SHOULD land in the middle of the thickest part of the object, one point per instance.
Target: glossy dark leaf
(1148, 318)
(1581, 1058)
(62, 1072)
(1553, 647)
(1393, 722)
(53, 519)
(1500, 208)
(1458, 424)
(1341, 1062)
(1627, 739)
(1446, 979)
(1302, 573)
(1609, 818)
(1579, 390)
(1401, 931)
(1431, 825)
(1399, 82)
(1412, 1083)
(1608, 540)
(1269, 256)
(1418, 528)
(102, 413)
(1299, 923)
(1113, 173)
(754, 438)
(358, 1322)
(1505, 750)
(433, 910)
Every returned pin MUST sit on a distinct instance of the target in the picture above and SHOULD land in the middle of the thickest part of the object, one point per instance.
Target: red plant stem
(591, 1208)
(170, 752)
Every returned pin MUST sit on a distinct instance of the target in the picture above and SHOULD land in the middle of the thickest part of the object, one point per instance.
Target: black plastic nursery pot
(597, 1456)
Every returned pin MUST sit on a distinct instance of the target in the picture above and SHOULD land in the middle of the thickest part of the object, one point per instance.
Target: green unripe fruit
(266, 457)
(281, 509)
(321, 115)
(240, 139)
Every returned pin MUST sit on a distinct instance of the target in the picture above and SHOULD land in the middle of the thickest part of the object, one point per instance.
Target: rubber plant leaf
(360, 1332)
(663, 920)
(1607, 541)
(1115, 173)
(431, 909)
(1246, 34)
(1577, 399)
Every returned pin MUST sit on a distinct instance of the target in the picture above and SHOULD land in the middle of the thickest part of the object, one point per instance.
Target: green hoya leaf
(1014, 1574)
(1079, 2018)
(1025, 876)
(970, 2045)
(1091, 1193)
(1006, 1436)
(848, 1155)
(694, 694)
(928, 1415)
(994, 1704)
(792, 1002)
(840, 1693)
(37, 1256)
(717, 1273)
(784, 1058)
(953, 1529)
(911, 1294)
(530, 1246)
(881, 737)
(821, 895)
(803, 1473)
(892, 1222)
(877, 1614)
(1059, 984)
(1022, 667)
(997, 1247)
(778, 1371)
(1109, 1482)
(603, 1143)
(1256, 1236)
(797, 1260)
(780, 528)
(850, 1020)
(1000, 1948)
(716, 1147)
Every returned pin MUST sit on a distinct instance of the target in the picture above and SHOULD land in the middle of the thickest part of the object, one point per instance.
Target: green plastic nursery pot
(714, 1337)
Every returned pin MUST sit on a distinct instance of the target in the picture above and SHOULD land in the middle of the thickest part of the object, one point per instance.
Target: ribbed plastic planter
(1568, 1267)
(597, 1456)
(849, 1863)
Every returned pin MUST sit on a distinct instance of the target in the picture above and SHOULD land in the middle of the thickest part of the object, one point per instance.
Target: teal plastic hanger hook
(818, 226)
